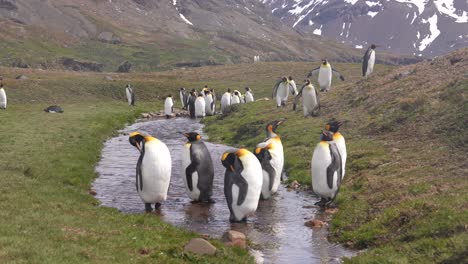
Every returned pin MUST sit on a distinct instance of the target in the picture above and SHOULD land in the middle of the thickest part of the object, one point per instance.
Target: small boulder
(22, 77)
(145, 115)
(294, 185)
(200, 246)
(92, 192)
(234, 238)
(315, 223)
(108, 78)
(124, 67)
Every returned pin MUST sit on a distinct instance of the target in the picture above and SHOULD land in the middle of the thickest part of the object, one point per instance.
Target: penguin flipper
(338, 74)
(139, 176)
(314, 71)
(275, 89)
(189, 172)
(365, 61)
(334, 167)
(243, 188)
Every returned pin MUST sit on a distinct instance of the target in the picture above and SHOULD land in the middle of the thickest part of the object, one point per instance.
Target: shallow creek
(277, 229)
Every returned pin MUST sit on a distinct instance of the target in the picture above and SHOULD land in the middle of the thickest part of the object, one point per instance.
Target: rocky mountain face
(155, 34)
(419, 27)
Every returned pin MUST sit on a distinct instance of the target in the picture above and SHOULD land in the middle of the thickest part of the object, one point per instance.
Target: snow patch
(318, 31)
(358, 46)
(351, 1)
(371, 4)
(311, 22)
(414, 18)
(420, 4)
(185, 19)
(418, 35)
(174, 2)
(298, 9)
(435, 32)
(372, 14)
(446, 7)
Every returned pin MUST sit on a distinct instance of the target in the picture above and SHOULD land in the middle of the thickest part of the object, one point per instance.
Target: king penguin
(236, 98)
(271, 156)
(209, 103)
(293, 84)
(249, 98)
(340, 142)
(153, 171)
(368, 61)
(197, 169)
(326, 170)
(310, 99)
(183, 97)
(191, 104)
(281, 91)
(242, 183)
(325, 73)
(226, 101)
(200, 106)
(168, 106)
(130, 95)
(3, 97)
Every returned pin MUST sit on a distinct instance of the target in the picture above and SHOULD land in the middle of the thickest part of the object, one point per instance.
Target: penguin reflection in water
(153, 171)
(197, 169)
(242, 183)
(326, 170)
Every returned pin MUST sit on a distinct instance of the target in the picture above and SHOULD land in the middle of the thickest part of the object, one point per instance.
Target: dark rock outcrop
(77, 65)
(125, 67)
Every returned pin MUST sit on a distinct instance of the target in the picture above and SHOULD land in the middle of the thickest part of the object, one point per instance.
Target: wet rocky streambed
(277, 230)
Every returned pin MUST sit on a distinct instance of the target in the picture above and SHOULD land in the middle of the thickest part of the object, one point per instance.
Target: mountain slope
(420, 27)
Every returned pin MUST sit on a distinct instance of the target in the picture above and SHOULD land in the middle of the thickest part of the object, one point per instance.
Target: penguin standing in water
(200, 106)
(271, 156)
(325, 73)
(248, 95)
(225, 100)
(326, 170)
(340, 142)
(310, 99)
(236, 98)
(368, 61)
(242, 183)
(209, 103)
(153, 171)
(3, 97)
(168, 106)
(197, 169)
(191, 104)
(293, 84)
(183, 97)
(130, 95)
(281, 91)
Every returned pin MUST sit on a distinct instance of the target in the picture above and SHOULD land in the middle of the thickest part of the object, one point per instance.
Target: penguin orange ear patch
(198, 137)
(224, 155)
(257, 150)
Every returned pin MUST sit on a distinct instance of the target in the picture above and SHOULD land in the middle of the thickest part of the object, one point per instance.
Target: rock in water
(234, 238)
(200, 246)
(315, 223)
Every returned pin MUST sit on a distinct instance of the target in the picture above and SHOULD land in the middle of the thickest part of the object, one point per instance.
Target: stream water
(277, 229)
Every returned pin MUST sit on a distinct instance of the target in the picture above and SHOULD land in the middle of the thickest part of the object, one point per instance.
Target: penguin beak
(138, 146)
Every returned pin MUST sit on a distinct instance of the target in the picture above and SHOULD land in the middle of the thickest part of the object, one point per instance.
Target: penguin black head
(326, 136)
(229, 90)
(247, 89)
(373, 46)
(307, 81)
(236, 93)
(262, 153)
(127, 86)
(324, 61)
(272, 126)
(290, 78)
(206, 91)
(200, 94)
(333, 126)
(192, 136)
(182, 89)
(212, 90)
(169, 95)
(284, 79)
(136, 139)
(228, 160)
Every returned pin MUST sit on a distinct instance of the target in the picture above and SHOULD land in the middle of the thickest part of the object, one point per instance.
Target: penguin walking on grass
(325, 73)
(326, 170)
(293, 84)
(334, 126)
(242, 183)
(153, 171)
(130, 95)
(226, 101)
(197, 169)
(249, 98)
(281, 91)
(3, 97)
(271, 156)
(368, 61)
(168, 106)
(236, 98)
(310, 99)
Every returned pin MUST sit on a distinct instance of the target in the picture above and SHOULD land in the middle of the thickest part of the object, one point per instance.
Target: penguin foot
(156, 206)
(330, 204)
(321, 203)
(195, 201)
(211, 201)
(148, 208)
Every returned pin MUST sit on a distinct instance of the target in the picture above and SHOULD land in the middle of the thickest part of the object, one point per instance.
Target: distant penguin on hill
(326, 170)
(130, 95)
(325, 73)
(168, 106)
(226, 100)
(153, 170)
(281, 91)
(271, 156)
(183, 97)
(248, 95)
(191, 104)
(368, 61)
(3, 97)
(197, 169)
(200, 106)
(293, 84)
(340, 142)
(210, 107)
(236, 98)
(310, 99)
(53, 109)
(242, 183)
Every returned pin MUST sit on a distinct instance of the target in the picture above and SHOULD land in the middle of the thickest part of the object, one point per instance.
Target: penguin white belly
(195, 193)
(325, 77)
(266, 193)
(309, 100)
(293, 84)
(277, 162)
(3, 99)
(168, 104)
(225, 101)
(200, 107)
(341, 145)
(252, 174)
(129, 95)
(249, 97)
(181, 95)
(370, 63)
(282, 93)
(235, 100)
(156, 172)
(321, 159)
(208, 101)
